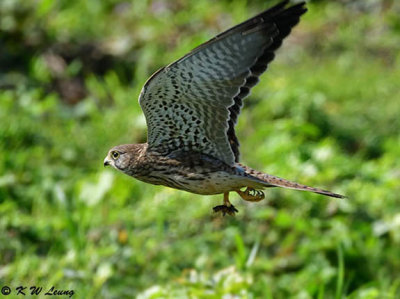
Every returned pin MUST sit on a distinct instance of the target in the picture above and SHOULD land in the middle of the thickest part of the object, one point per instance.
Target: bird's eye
(115, 155)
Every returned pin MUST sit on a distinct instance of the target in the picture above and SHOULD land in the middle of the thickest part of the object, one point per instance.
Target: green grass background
(325, 114)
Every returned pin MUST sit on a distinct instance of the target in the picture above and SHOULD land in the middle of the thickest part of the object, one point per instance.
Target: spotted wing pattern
(193, 103)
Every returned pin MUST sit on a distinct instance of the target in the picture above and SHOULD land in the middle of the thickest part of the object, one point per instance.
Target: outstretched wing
(193, 103)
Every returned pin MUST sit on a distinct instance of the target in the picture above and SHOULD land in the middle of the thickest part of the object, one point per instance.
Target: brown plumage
(191, 108)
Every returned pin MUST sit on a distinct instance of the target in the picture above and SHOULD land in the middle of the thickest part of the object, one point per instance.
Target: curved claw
(231, 210)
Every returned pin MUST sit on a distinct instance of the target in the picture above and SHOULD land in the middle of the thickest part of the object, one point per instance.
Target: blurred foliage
(326, 114)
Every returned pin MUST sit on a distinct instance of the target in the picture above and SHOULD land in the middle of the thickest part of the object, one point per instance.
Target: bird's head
(124, 157)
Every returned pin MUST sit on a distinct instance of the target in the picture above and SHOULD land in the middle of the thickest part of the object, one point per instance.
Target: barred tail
(267, 180)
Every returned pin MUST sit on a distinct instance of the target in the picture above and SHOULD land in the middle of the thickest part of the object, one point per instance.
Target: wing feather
(193, 103)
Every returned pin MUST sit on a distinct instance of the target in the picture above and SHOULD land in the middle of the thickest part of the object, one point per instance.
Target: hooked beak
(106, 162)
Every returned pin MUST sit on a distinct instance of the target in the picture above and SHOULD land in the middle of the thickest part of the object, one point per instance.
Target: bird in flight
(191, 108)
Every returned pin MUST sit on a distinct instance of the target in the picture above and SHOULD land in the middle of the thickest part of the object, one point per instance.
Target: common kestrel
(191, 108)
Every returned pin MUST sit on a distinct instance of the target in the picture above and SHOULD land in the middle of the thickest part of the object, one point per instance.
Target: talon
(231, 210)
(227, 207)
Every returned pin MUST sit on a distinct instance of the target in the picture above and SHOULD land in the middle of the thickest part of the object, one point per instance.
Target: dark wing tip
(275, 23)
(281, 8)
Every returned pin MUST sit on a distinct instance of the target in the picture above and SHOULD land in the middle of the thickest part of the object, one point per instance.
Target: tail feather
(267, 180)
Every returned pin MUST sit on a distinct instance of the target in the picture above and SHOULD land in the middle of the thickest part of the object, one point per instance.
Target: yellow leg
(226, 199)
(251, 194)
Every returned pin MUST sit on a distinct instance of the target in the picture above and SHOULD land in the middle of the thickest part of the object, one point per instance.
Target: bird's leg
(227, 207)
(251, 194)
